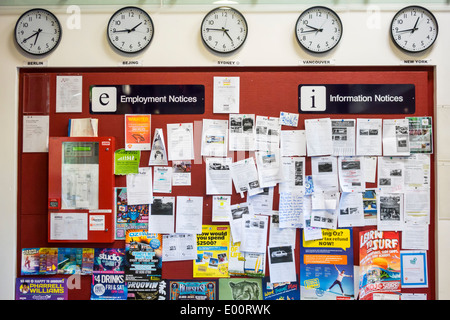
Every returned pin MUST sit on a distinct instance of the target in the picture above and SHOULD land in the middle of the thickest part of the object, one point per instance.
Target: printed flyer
(41, 289)
(379, 261)
(128, 216)
(212, 252)
(137, 132)
(281, 290)
(326, 266)
(192, 290)
(240, 289)
(143, 252)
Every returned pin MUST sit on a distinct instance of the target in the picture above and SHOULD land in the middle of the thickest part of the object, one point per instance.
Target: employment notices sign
(357, 98)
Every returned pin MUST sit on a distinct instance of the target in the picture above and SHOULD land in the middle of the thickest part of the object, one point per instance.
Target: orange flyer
(137, 132)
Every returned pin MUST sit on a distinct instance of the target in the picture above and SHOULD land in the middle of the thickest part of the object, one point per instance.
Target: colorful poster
(240, 289)
(30, 261)
(379, 263)
(48, 260)
(126, 162)
(108, 286)
(326, 266)
(137, 132)
(143, 255)
(128, 216)
(70, 260)
(280, 291)
(41, 289)
(109, 260)
(146, 289)
(192, 290)
(212, 252)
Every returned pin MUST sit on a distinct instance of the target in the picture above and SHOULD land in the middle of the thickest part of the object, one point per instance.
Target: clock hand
(37, 35)
(226, 32)
(134, 28)
(315, 29)
(215, 29)
(124, 30)
(34, 34)
(415, 26)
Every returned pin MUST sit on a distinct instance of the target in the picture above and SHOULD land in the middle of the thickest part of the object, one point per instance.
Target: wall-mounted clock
(130, 30)
(318, 29)
(414, 29)
(224, 30)
(38, 32)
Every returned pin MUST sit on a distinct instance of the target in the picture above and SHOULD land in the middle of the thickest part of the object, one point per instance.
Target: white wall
(177, 42)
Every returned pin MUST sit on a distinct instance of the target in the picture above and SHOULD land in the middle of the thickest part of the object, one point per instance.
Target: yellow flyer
(137, 132)
(212, 252)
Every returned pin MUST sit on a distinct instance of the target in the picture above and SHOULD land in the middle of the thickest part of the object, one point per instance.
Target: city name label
(147, 99)
(357, 98)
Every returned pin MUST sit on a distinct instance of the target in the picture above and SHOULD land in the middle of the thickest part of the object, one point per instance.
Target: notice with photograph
(245, 177)
(325, 173)
(158, 154)
(214, 138)
(309, 232)
(267, 133)
(179, 247)
(343, 136)
(324, 207)
(218, 176)
(417, 171)
(280, 236)
(189, 211)
(318, 137)
(238, 213)
(254, 233)
(420, 134)
(261, 203)
(137, 132)
(242, 132)
(162, 215)
(391, 174)
(396, 137)
(180, 143)
(351, 211)
(269, 167)
(370, 207)
(293, 143)
(226, 95)
(390, 212)
(281, 264)
(181, 173)
(293, 169)
(351, 174)
(368, 137)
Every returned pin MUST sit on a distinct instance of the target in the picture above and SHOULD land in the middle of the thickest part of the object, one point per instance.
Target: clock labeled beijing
(414, 29)
(224, 30)
(37, 32)
(130, 30)
(318, 29)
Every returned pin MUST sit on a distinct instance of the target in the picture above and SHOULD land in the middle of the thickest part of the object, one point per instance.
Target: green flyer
(126, 162)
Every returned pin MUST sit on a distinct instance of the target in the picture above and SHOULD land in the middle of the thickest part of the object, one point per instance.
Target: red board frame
(105, 192)
(264, 91)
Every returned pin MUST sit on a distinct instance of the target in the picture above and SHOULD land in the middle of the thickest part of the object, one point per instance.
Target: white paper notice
(180, 143)
(417, 171)
(414, 269)
(415, 236)
(293, 169)
(267, 133)
(368, 137)
(391, 174)
(417, 206)
(351, 212)
(269, 167)
(69, 93)
(281, 264)
(189, 214)
(390, 212)
(325, 173)
(139, 187)
(221, 210)
(242, 132)
(214, 138)
(395, 137)
(280, 236)
(218, 176)
(162, 180)
(254, 233)
(293, 143)
(370, 169)
(290, 210)
(178, 247)
(351, 174)
(318, 137)
(68, 226)
(162, 215)
(343, 136)
(35, 133)
(261, 203)
(238, 211)
(245, 177)
(181, 173)
(226, 95)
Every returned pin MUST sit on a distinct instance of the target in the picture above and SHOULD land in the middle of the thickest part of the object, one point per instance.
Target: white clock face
(318, 29)
(414, 29)
(224, 30)
(130, 30)
(37, 32)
